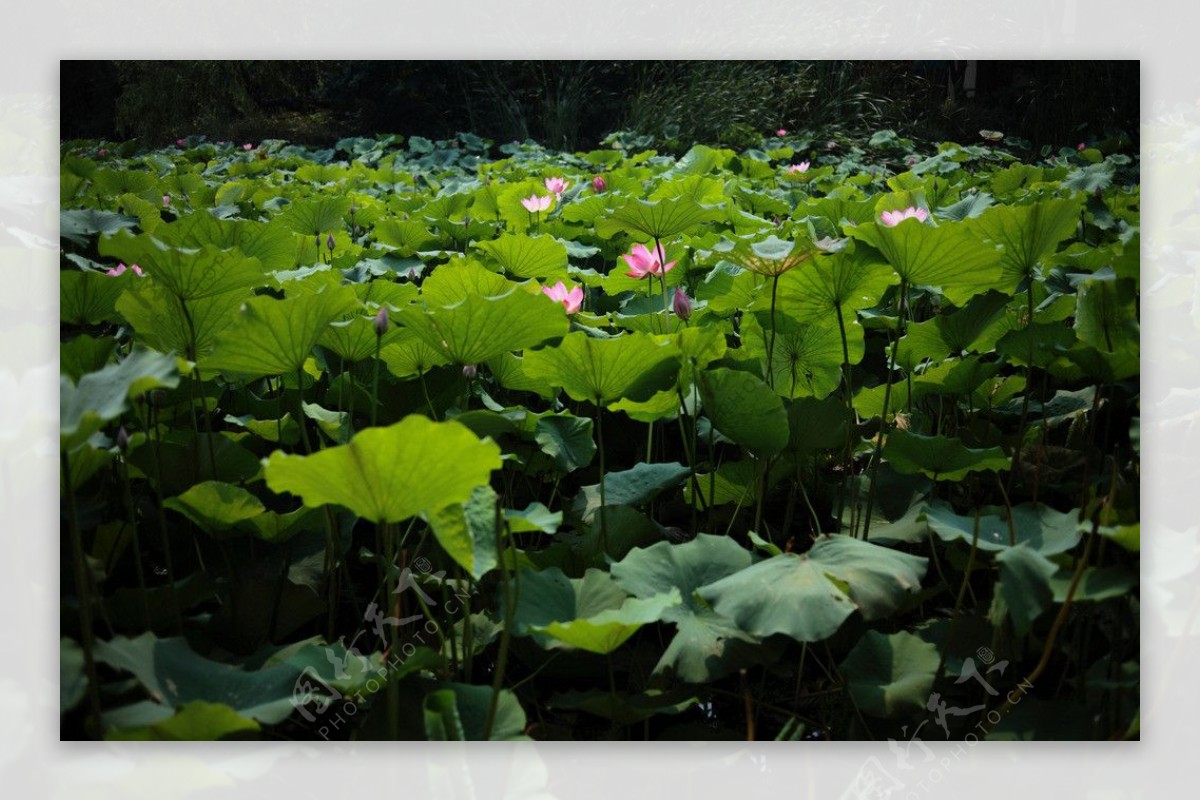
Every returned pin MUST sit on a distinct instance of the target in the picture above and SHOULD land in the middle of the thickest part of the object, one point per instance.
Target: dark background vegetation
(575, 104)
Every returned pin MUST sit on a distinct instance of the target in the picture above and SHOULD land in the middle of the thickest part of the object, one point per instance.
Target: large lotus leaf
(275, 337)
(515, 215)
(977, 326)
(270, 243)
(565, 438)
(460, 712)
(1024, 585)
(409, 355)
(196, 721)
(467, 531)
(215, 506)
(728, 288)
(625, 709)
(312, 216)
(1045, 342)
(158, 319)
(189, 273)
(1028, 234)
(848, 280)
(808, 596)
(733, 482)
(528, 256)
(705, 646)
(479, 328)
(1035, 525)
(88, 298)
(950, 256)
(171, 671)
(602, 371)
(406, 236)
(890, 675)
(389, 474)
(771, 256)
(80, 225)
(104, 395)
(660, 219)
(451, 282)
(808, 356)
(1106, 314)
(817, 425)
(745, 410)
(355, 339)
(940, 458)
(631, 487)
(608, 630)
(84, 354)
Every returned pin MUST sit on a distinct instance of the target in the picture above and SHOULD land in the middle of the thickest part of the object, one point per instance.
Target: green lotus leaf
(460, 712)
(479, 328)
(817, 425)
(1024, 585)
(467, 531)
(83, 355)
(189, 273)
(1034, 525)
(534, 517)
(829, 582)
(354, 340)
(608, 630)
(631, 487)
(1095, 584)
(456, 280)
(270, 243)
(940, 458)
(88, 298)
(728, 289)
(104, 395)
(771, 256)
(745, 410)
(319, 215)
(198, 720)
(275, 337)
(284, 430)
(80, 225)
(661, 219)
(1106, 314)
(625, 709)
(390, 474)
(406, 236)
(408, 355)
(891, 675)
(603, 371)
(1028, 235)
(950, 256)
(528, 256)
(808, 356)
(215, 506)
(158, 318)
(975, 327)
(848, 280)
(707, 645)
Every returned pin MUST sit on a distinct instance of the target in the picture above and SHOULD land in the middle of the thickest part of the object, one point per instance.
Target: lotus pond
(404, 439)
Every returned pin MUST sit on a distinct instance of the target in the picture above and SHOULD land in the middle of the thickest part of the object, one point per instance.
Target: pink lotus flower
(557, 186)
(781, 132)
(166, 201)
(101, 152)
(247, 146)
(120, 268)
(179, 143)
(1081, 147)
(534, 203)
(599, 184)
(682, 305)
(801, 167)
(893, 218)
(642, 262)
(571, 299)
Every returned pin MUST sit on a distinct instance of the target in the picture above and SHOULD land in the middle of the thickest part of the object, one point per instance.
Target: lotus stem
(83, 588)
(771, 344)
(883, 420)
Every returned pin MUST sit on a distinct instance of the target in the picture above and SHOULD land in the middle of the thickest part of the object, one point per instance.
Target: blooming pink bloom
(534, 203)
(166, 201)
(247, 146)
(557, 186)
(682, 305)
(1081, 146)
(572, 299)
(801, 167)
(894, 218)
(120, 268)
(642, 262)
(599, 184)
(179, 143)
(781, 132)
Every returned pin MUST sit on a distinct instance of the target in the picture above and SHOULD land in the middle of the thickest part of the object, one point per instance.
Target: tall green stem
(603, 500)
(375, 382)
(883, 420)
(851, 420)
(511, 591)
(137, 545)
(771, 344)
(83, 588)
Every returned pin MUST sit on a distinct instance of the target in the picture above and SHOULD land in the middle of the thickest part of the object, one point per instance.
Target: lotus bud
(1081, 147)
(329, 242)
(166, 201)
(381, 321)
(682, 305)
(599, 184)
(122, 439)
(179, 143)
(317, 240)
(470, 371)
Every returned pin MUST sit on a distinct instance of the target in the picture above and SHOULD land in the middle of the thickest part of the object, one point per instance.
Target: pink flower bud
(598, 184)
(1081, 147)
(180, 143)
(781, 132)
(381, 321)
(247, 146)
(329, 241)
(166, 201)
(470, 371)
(682, 305)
